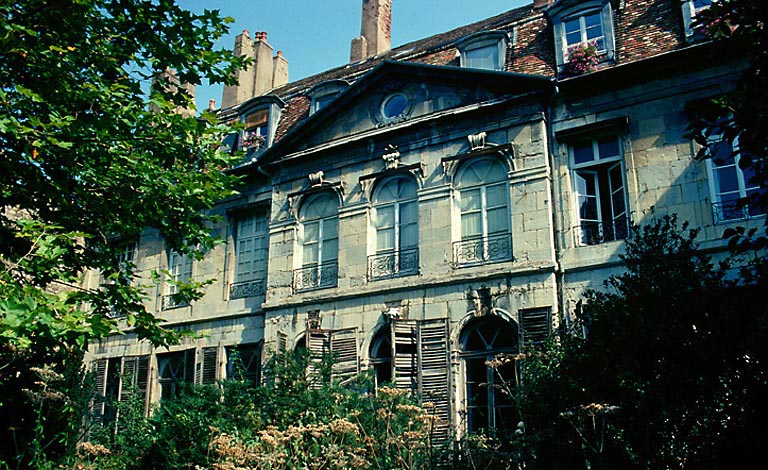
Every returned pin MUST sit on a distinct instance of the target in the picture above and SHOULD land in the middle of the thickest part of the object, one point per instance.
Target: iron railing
(735, 210)
(170, 302)
(316, 276)
(482, 250)
(393, 264)
(594, 233)
(240, 290)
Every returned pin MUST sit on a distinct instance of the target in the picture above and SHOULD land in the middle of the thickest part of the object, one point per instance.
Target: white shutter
(319, 345)
(99, 369)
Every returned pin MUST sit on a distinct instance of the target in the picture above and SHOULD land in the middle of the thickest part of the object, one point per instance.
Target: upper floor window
(180, 272)
(580, 24)
(324, 93)
(250, 256)
(256, 133)
(483, 205)
(486, 50)
(396, 225)
(599, 186)
(731, 186)
(318, 242)
(691, 8)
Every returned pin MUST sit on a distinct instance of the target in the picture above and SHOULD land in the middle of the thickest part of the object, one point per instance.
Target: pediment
(394, 94)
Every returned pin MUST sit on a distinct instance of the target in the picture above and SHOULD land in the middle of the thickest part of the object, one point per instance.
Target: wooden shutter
(134, 378)
(421, 365)
(343, 345)
(99, 369)
(319, 345)
(282, 342)
(209, 368)
(536, 325)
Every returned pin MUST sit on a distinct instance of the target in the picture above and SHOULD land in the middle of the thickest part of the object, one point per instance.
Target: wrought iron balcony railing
(169, 302)
(482, 250)
(316, 276)
(725, 211)
(393, 264)
(240, 290)
(594, 233)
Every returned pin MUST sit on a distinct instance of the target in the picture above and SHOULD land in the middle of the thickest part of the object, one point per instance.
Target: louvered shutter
(128, 378)
(420, 360)
(209, 366)
(319, 345)
(99, 369)
(536, 325)
(433, 372)
(282, 342)
(343, 345)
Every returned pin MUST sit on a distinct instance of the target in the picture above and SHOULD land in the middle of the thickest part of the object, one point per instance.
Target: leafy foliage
(85, 159)
(671, 370)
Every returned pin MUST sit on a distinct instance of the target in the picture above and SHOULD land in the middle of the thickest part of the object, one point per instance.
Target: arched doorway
(489, 391)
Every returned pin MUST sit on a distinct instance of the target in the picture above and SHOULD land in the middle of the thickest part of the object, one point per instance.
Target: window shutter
(99, 368)
(536, 325)
(318, 344)
(343, 345)
(189, 366)
(421, 365)
(134, 378)
(282, 342)
(209, 366)
(433, 369)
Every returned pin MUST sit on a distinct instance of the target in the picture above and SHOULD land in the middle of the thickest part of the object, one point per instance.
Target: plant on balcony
(581, 58)
(253, 140)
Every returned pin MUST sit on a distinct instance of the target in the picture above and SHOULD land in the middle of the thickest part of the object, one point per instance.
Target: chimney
(539, 4)
(243, 90)
(211, 104)
(375, 30)
(262, 63)
(279, 70)
(171, 84)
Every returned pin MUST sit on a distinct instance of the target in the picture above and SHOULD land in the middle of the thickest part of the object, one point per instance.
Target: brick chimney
(265, 73)
(538, 4)
(375, 30)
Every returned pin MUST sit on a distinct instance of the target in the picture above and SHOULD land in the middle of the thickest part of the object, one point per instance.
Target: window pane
(496, 195)
(588, 208)
(470, 200)
(385, 216)
(497, 220)
(409, 236)
(585, 183)
(583, 153)
(309, 255)
(471, 225)
(572, 31)
(330, 250)
(726, 179)
(409, 213)
(330, 228)
(385, 239)
(311, 232)
(406, 189)
(483, 58)
(608, 147)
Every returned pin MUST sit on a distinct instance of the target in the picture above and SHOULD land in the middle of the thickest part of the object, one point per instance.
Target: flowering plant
(253, 140)
(581, 58)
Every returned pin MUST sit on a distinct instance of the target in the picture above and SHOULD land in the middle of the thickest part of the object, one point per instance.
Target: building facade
(422, 209)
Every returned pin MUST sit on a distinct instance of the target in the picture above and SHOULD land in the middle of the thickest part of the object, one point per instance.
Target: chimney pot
(211, 104)
(537, 4)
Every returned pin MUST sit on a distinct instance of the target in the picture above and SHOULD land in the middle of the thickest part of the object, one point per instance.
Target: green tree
(669, 374)
(85, 160)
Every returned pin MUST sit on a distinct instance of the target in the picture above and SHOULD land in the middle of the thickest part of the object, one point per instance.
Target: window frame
(742, 190)
(187, 263)
(690, 11)
(494, 41)
(380, 266)
(254, 283)
(594, 168)
(559, 15)
(485, 237)
(302, 268)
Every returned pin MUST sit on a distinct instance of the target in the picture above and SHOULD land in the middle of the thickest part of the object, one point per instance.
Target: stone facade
(424, 217)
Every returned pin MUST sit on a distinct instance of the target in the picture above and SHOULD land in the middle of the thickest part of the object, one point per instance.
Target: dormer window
(259, 117)
(324, 93)
(486, 50)
(580, 25)
(691, 8)
(256, 131)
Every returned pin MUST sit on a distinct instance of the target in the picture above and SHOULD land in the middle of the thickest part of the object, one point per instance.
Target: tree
(670, 373)
(85, 162)
(738, 121)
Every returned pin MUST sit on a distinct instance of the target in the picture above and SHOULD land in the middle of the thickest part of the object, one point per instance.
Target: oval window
(394, 106)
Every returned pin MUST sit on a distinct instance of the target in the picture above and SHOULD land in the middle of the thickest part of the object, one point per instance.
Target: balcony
(594, 233)
(734, 210)
(241, 290)
(392, 264)
(316, 276)
(170, 302)
(483, 250)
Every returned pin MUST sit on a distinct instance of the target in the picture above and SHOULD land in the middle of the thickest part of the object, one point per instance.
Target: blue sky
(315, 35)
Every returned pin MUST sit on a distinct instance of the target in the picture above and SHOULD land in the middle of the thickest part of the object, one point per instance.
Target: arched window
(490, 390)
(483, 202)
(396, 222)
(319, 242)
(381, 357)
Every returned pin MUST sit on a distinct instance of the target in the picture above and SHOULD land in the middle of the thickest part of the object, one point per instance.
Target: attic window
(691, 9)
(486, 50)
(580, 24)
(324, 93)
(394, 106)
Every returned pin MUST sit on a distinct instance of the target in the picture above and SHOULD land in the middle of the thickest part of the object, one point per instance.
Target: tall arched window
(319, 242)
(381, 356)
(483, 202)
(396, 222)
(490, 390)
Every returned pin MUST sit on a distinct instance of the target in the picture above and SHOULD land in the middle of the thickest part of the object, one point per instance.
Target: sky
(315, 35)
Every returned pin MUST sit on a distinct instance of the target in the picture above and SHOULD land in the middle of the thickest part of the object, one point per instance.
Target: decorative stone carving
(476, 141)
(481, 301)
(316, 178)
(391, 157)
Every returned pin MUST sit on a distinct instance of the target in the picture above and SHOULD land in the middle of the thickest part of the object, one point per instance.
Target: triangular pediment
(396, 94)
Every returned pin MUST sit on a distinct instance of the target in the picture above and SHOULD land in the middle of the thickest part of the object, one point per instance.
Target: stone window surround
(559, 14)
(482, 40)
